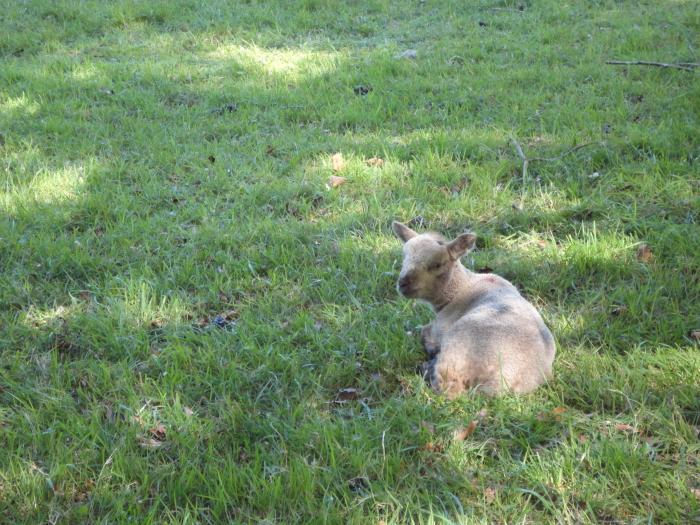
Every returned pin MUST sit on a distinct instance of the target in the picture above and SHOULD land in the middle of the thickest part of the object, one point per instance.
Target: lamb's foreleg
(430, 343)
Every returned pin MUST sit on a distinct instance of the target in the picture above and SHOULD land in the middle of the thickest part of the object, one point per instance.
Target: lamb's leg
(430, 343)
(426, 370)
(448, 376)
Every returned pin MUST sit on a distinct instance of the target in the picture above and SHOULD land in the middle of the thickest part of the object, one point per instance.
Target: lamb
(486, 336)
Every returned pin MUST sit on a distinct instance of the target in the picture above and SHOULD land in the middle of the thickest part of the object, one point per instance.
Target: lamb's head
(428, 261)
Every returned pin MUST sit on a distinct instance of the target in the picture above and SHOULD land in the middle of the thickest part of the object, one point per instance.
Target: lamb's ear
(461, 245)
(402, 231)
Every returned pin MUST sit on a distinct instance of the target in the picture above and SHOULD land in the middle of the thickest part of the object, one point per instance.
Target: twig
(505, 9)
(522, 156)
(685, 66)
(526, 161)
(567, 152)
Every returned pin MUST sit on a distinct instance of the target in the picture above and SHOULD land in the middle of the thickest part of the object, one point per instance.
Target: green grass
(135, 208)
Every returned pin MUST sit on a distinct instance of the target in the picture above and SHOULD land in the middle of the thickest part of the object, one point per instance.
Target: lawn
(197, 326)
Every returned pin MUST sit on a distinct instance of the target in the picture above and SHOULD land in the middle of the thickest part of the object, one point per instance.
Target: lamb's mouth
(406, 291)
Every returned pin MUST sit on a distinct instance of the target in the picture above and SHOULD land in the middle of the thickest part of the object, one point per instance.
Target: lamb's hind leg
(448, 379)
(430, 343)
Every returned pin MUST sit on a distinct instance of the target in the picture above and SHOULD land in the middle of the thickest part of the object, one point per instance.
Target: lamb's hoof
(426, 370)
(432, 352)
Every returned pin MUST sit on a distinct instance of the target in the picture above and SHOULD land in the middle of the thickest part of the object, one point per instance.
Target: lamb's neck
(456, 286)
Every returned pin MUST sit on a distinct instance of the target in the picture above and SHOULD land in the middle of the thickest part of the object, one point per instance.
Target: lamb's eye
(434, 266)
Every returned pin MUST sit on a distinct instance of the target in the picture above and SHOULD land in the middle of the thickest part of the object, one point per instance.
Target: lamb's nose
(404, 281)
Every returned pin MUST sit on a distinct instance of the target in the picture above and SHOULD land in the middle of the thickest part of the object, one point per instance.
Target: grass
(165, 163)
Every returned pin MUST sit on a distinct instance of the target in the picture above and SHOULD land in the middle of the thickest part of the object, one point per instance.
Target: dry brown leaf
(460, 185)
(150, 443)
(644, 253)
(433, 447)
(188, 411)
(694, 334)
(230, 315)
(334, 181)
(624, 427)
(158, 432)
(619, 309)
(489, 494)
(582, 438)
(338, 162)
(460, 434)
(428, 426)
(375, 162)
(347, 394)
(558, 411)
(696, 493)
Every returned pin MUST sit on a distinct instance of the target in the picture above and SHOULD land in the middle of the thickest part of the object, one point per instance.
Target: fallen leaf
(557, 411)
(489, 494)
(228, 108)
(582, 438)
(188, 411)
(337, 162)
(432, 447)
(624, 427)
(230, 315)
(375, 162)
(409, 53)
(158, 432)
(694, 334)
(336, 181)
(460, 185)
(358, 484)
(429, 427)
(347, 394)
(644, 253)
(417, 222)
(696, 493)
(619, 309)
(84, 295)
(150, 443)
(461, 434)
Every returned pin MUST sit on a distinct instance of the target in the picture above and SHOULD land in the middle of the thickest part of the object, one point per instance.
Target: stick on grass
(685, 66)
